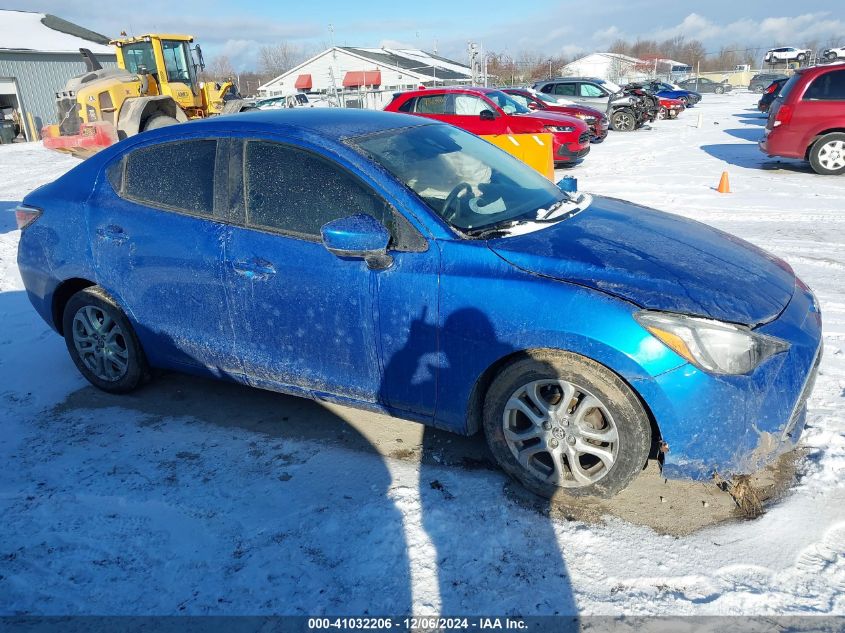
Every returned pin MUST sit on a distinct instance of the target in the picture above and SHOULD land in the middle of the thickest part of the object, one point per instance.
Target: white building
(367, 77)
(611, 66)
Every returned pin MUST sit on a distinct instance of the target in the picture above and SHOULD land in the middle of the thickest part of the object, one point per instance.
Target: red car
(807, 120)
(489, 111)
(595, 119)
(670, 108)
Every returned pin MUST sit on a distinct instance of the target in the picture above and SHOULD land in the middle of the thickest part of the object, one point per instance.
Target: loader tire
(159, 120)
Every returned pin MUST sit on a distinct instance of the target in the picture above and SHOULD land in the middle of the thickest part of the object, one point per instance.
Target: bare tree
(280, 58)
(220, 68)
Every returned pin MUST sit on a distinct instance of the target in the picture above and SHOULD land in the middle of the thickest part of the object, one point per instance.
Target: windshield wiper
(486, 231)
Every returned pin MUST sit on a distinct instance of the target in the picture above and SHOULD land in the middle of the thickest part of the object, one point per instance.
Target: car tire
(800, 57)
(611, 411)
(719, 90)
(827, 154)
(623, 120)
(758, 89)
(662, 113)
(159, 121)
(102, 342)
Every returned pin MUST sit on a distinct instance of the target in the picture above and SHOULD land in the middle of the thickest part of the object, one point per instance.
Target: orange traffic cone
(724, 185)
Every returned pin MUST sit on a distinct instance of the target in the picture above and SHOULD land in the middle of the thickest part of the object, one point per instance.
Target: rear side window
(788, 86)
(431, 104)
(296, 192)
(827, 87)
(567, 90)
(408, 106)
(177, 176)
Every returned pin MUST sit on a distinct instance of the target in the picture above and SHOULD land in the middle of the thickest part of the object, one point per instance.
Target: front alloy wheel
(623, 121)
(561, 423)
(560, 432)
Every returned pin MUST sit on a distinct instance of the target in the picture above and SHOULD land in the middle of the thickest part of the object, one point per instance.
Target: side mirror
(486, 115)
(358, 236)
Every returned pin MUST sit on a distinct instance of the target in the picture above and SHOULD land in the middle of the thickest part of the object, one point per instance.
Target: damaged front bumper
(734, 425)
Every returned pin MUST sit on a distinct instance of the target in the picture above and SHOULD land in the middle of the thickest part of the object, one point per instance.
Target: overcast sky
(237, 29)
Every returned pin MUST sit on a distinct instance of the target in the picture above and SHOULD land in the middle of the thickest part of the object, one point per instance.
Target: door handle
(254, 268)
(112, 232)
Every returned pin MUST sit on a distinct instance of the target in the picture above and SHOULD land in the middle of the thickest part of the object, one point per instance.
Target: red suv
(489, 111)
(807, 120)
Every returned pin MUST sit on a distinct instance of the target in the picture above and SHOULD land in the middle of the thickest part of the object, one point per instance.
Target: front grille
(583, 138)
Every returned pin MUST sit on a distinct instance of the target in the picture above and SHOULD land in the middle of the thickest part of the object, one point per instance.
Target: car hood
(546, 117)
(657, 261)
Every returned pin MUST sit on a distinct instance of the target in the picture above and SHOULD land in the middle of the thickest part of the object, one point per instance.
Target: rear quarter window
(788, 86)
(178, 176)
(827, 87)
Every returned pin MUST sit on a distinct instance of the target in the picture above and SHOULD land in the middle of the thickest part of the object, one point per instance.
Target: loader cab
(168, 64)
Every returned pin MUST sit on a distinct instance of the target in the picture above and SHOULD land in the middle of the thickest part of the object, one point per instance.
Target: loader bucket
(91, 139)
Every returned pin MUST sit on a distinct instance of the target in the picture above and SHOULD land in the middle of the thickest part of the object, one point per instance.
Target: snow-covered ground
(120, 506)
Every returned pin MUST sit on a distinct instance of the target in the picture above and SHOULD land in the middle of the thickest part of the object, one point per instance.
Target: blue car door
(306, 318)
(157, 246)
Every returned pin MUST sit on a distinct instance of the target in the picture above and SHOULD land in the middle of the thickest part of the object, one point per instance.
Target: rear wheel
(623, 121)
(662, 113)
(827, 155)
(560, 422)
(158, 121)
(718, 90)
(102, 343)
(759, 89)
(801, 57)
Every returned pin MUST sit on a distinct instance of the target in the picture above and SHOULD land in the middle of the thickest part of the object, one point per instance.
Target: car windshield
(467, 181)
(507, 103)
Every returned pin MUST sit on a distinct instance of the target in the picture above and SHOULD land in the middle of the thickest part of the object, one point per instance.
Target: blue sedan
(670, 91)
(402, 265)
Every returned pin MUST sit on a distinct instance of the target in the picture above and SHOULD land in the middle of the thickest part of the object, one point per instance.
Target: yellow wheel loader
(154, 85)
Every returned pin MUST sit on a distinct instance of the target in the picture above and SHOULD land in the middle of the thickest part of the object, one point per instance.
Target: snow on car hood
(656, 260)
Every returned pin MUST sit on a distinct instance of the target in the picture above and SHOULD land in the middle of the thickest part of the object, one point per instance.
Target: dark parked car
(770, 94)
(761, 81)
(398, 264)
(807, 119)
(703, 84)
(669, 91)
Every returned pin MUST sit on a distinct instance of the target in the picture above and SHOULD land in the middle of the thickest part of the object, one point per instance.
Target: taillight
(26, 216)
(784, 115)
(771, 89)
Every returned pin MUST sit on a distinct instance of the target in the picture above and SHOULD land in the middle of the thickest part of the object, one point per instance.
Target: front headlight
(586, 118)
(560, 128)
(714, 346)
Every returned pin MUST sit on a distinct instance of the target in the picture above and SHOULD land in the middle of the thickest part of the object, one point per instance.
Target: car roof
(447, 89)
(820, 70)
(559, 79)
(331, 123)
